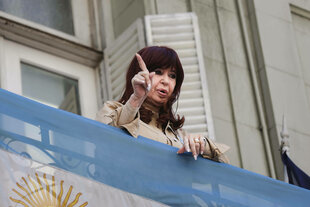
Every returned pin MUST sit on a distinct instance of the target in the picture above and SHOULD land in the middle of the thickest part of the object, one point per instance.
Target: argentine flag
(53, 158)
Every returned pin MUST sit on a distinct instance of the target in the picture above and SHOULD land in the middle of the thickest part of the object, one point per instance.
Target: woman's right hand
(141, 82)
(194, 143)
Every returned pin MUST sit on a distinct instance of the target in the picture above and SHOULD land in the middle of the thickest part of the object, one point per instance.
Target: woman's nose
(165, 79)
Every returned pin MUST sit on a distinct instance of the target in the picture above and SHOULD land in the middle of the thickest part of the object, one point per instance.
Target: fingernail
(201, 152)
(187, 149)
(149, 87)
(195, 157)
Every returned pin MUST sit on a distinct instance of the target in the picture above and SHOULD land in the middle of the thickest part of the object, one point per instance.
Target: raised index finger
(141, 63)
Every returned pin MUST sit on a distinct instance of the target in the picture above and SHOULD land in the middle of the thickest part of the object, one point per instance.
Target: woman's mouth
(162, 92)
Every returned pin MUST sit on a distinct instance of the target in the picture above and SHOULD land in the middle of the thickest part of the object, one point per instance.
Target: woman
(153, 84)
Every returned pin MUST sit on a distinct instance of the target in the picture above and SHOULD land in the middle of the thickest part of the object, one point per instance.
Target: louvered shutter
(181, 32)
(118, 55)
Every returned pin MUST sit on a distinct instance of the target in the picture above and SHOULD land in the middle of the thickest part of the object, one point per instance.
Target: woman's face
(163, 83)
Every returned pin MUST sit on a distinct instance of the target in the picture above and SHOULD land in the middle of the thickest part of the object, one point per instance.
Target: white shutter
(118, 55)
(181, 32)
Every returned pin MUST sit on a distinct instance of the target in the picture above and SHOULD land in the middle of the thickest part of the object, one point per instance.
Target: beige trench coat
(110, 114)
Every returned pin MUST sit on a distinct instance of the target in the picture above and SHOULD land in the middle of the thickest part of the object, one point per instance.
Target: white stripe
(14, 168)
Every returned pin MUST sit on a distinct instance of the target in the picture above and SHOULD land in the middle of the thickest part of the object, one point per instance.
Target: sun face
(32, 193)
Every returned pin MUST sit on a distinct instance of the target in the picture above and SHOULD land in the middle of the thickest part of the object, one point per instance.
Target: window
(50, 88)
(56, 14)
(49, 79)
(49, 20)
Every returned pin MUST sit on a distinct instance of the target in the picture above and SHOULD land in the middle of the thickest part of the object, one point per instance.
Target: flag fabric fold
(295, 175)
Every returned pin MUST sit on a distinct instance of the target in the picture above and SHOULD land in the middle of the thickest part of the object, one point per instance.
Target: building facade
(246, 59)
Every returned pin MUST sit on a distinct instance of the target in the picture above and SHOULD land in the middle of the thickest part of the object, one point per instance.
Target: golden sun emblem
(35, 195)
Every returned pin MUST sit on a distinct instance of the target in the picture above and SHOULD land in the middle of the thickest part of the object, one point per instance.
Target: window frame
(12, 54)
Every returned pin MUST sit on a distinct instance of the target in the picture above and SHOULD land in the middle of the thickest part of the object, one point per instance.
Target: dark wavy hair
(157, 57)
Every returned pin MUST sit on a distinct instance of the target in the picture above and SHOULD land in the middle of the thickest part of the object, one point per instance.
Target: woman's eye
(173, 76)
(158, 72)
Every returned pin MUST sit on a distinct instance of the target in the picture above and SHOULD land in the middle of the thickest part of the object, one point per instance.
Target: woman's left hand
(193, 143)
